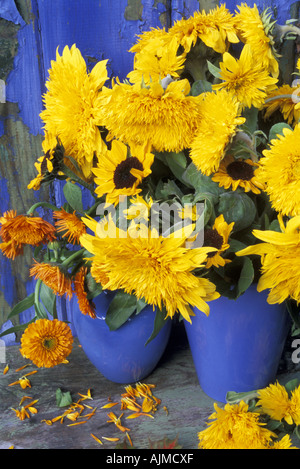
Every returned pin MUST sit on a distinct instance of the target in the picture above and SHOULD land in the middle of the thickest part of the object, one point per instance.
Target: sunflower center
(212, 239)
(122, 175)
(240, 170)
(49, 343)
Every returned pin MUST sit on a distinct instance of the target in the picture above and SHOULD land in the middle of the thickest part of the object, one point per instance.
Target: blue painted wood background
(30, 32)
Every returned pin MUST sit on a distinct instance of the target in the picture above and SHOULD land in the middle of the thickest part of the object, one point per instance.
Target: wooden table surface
(176, 385)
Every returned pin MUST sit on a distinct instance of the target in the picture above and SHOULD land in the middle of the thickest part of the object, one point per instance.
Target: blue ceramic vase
(238, 347)
(121, 355)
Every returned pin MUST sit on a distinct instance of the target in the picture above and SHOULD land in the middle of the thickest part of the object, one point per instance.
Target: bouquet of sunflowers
(170, 177)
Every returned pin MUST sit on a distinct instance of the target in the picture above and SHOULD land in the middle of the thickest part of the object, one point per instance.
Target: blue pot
(121, 355)
(239, 345)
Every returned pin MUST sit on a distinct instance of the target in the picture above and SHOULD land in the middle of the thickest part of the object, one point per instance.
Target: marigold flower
(21, 229)
(53, 277)
(70, 224)
(86, 306)
(46, 342)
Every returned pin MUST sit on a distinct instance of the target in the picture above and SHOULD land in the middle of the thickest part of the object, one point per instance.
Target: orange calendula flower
(26, 229)
(23, 413)
(47, 342)
(53, 277)
(86, 306)
(70, 224)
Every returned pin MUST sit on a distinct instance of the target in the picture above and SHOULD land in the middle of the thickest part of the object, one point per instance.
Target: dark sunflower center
(122, 176)
(212, 239)
(49, 343)
(240, 170)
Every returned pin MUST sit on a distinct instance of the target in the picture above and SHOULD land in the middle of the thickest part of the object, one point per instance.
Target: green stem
(41, 204)
(70, 259)
(37, 298)
(69, 173)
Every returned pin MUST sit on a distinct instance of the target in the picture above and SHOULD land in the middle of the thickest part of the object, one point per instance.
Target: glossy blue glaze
(239, 345)
(121, 355)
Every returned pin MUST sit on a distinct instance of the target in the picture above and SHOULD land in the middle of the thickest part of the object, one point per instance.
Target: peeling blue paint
(9, 12)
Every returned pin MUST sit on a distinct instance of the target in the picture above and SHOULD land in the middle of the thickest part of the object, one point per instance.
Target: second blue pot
(121, 355)
(239, 345)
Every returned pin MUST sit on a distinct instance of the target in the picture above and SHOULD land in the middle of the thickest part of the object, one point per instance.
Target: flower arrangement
(186, 163)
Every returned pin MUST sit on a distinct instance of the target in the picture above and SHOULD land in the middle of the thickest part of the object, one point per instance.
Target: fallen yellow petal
(97, 439)
(77, 423)
(21, 368)
(5, 369)
(109, 405)
(130, 441)
(48, 422)
(110, 439)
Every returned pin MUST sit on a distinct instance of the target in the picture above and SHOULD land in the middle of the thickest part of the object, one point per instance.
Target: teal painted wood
(31, 31)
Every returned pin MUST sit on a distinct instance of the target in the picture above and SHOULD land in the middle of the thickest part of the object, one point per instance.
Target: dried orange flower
(25, 229)
(70, 224)
(86, 306)
(53, 277)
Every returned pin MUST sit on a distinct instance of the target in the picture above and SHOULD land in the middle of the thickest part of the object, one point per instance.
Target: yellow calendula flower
(215, 28)
(152, 267)
(120, 171)
(69, 224)
(280, 258)
(156, 60)
(220, 118)
(280, 170)
(47, 342)
(53, 277)
(245, 78)
(283, 99)
(167, 118)
(71, 104)
(255, 29)
(238, 172)
(234, 427)
(275, 401)
(217, 237)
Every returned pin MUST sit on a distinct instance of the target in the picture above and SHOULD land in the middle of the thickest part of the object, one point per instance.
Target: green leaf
(19, 328)
(215, 71)
(140, 305)
(73, 195)
(23, 305)
(201, 86)
(251, 116)
(246, 276)
(120, 309)
(159, 322)
(201, 183)
(48, 299)
(291, 385)
(277, 129)
(237, 207)
(63, 399)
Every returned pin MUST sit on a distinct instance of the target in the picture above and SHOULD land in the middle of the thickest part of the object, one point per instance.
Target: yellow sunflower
(166, 118)
(245, 78)
(220, 118)
(71, 103)
(156, 60)
(280, 170)
(255, 29)
(120, 171)
(158, 269)
(280, 258)
(53, 277)
(217, 237)
(26, 229)
(215, 28)
(86, 306)
(286, 105)
(69, 224)
(47, 342)
(275, 401)
(235, 427)
(234, 173)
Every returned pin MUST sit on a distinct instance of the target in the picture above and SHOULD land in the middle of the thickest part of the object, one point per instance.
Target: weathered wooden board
(30, 32)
